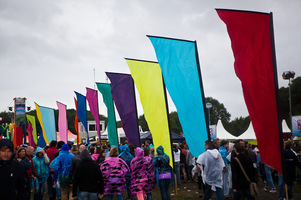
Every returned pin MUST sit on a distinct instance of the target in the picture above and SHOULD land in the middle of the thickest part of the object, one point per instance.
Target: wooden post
(176, 187)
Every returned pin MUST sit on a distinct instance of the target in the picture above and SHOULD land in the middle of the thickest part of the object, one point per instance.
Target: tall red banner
(250, 34)
(76, 122)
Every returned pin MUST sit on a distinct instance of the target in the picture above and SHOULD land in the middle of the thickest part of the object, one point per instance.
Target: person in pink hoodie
(150, 173)
(114, 170)
(96, 153)
(139, 174)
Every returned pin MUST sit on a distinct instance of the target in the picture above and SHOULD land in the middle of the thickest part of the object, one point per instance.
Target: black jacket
(13, 180)
(290, 161)
(87, 176)
(239, 180)
(75, 162)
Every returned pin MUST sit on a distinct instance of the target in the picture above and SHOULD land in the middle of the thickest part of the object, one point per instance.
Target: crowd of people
(92, 172)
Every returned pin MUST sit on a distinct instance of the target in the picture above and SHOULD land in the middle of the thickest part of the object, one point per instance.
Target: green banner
(105, 90)
(32, 120)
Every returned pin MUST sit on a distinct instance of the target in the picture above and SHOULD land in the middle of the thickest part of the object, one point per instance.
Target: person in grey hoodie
(212, 164)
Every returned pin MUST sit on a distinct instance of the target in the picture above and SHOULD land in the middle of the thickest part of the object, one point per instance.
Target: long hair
(19, 150)
(113, 152)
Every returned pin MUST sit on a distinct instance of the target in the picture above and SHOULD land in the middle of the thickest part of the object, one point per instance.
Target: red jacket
(50, 153)
(32, 170)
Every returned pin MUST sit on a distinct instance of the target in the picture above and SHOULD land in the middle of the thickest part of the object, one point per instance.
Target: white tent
(249, 134)
(221, 133)
(285, 128)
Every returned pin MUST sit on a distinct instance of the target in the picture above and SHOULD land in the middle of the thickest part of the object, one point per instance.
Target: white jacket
(213, 167)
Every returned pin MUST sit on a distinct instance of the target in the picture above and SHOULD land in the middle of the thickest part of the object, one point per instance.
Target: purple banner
(123, 93)
(92, 99)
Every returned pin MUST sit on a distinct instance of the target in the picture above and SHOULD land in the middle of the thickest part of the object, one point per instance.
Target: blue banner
(41, 140)
(82, 111)
(181, 74)
(48, 123)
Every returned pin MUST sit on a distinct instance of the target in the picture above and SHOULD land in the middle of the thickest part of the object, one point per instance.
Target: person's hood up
(7, 143)
(124, 148)
(139, 153)
(160, 150)
(65, 147)
(38, 150)
(84, 154)
(213, 152)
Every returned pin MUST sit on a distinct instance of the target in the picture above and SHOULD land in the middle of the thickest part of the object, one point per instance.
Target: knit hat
(6, 143)
(65, 147)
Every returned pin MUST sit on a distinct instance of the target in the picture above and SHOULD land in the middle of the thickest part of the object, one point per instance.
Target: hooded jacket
(213, 166)
(139, 174)
(13, 181)
(224, 153)
(161, 161)
(41, 166)
(62, 163)
(114, 170)
(125, 154)
(150, 174)
(88, 176)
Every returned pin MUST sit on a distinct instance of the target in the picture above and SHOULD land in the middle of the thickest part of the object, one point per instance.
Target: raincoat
(150, 174)
(41, 166)
(139, 174)
(125, 154)
(61, 166)
(213, 166)
(114, 170)
(161, 161)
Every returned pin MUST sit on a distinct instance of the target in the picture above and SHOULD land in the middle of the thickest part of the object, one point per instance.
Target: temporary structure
(285, 128)
(221, 133)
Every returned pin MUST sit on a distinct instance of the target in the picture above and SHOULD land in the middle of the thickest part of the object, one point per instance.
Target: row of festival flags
(178, 70)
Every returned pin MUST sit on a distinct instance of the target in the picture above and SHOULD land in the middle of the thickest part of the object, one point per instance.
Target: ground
(189, 191)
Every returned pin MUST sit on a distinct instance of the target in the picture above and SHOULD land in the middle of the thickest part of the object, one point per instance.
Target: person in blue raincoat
(162, 165)
(61, 166)
(40, 162)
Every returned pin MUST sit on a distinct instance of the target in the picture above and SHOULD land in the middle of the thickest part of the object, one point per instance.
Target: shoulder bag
(253, 186)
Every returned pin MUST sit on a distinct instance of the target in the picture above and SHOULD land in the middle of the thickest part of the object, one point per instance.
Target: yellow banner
(12, 128)
(148, 80)
(41, 122)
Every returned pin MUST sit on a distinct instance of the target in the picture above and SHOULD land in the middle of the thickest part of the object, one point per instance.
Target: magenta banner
(92, 99)
(30, 137)
(123, 93)
(63, 124)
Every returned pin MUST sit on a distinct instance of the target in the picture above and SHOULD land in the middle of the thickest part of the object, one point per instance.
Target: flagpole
(277, 102)
(202, 90)
(167, 112)
(136, 111)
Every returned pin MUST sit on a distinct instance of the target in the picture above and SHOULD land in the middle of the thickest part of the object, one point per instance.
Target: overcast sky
(48, 49)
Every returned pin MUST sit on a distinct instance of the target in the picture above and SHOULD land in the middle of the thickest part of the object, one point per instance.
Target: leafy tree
(295, 97)
(174, 123)
(142, 122)
(6, 118)
(218, 111)
(237, 126)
